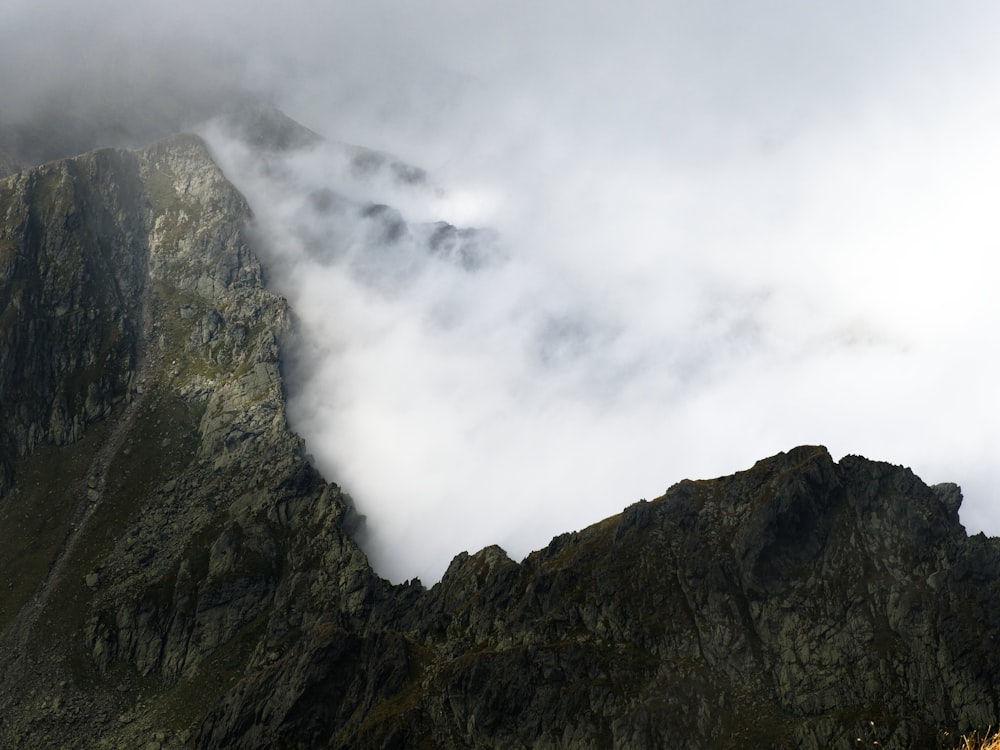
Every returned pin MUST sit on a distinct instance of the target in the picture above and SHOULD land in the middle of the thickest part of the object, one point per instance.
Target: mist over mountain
(517, 270)
(724, 231)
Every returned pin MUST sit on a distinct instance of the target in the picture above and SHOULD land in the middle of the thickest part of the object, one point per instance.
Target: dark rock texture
(73, 253)
(178, 575)
(158, 517)
(786, 606)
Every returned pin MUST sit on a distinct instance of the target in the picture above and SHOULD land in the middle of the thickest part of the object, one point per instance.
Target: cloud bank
(705, 234)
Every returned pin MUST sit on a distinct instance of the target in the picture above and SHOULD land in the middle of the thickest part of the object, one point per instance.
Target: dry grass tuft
(988, 741)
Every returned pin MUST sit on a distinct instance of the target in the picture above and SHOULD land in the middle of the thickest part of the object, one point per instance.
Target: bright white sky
(730, 228)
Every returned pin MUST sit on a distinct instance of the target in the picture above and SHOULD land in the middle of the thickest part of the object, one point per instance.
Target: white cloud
(723, 230)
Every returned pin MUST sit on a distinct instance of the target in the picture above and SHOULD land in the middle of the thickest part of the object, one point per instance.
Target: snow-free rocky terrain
(177, 574)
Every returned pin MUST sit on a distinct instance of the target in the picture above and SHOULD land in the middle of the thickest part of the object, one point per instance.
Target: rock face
(157, 514)
(786, 606)
(178, 575)
(72, 258)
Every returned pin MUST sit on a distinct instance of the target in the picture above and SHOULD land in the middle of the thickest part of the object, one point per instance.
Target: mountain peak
(180, 574)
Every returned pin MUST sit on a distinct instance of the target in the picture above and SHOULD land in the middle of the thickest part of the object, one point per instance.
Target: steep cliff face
(153, 496)
(72, 256)
(786, 606)
(178, 575)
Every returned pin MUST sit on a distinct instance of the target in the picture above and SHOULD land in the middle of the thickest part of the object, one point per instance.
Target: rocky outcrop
(175, 518)
(802, 603)
(72, 257)
(178, 575)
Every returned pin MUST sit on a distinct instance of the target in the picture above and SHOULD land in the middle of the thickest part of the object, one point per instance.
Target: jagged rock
(785, 606)
(142, 351)
(176, 565)
(72, 258)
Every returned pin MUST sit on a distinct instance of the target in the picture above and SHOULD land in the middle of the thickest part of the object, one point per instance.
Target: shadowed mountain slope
(178, 575)
(785, 606)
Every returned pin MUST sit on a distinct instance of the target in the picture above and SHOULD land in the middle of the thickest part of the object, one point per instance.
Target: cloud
(716, 232)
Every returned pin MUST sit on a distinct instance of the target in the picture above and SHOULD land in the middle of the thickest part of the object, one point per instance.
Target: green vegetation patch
(35, 517)
(160, 444)
(162, 193)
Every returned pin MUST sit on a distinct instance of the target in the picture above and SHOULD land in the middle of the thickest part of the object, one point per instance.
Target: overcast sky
(722, 230)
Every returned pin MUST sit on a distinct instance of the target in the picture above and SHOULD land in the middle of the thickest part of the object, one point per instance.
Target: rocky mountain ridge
(179, 575)
(152, 451)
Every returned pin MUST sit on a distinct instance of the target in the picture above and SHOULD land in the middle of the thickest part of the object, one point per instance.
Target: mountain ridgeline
(177, 574)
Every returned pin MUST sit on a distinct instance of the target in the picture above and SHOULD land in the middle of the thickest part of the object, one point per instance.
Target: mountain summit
(179, 575)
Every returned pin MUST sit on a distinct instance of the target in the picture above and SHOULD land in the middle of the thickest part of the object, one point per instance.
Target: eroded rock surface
(178, 575)
(789, 605)
(162, 517)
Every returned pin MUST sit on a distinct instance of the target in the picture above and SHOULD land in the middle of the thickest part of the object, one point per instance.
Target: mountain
(177, 574)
